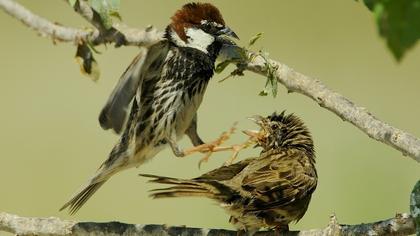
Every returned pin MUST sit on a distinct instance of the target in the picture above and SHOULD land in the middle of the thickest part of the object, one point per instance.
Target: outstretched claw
(239, 147)
(207, 148)
(210, 148)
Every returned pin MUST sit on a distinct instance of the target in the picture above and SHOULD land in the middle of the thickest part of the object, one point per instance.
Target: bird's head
(197, 25)
(279, 131)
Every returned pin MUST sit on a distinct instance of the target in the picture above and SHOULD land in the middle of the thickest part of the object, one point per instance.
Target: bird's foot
(215, 146)
(239, 147)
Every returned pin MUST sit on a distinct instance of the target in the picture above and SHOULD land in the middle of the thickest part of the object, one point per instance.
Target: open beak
(228, 32)
(252, 133)
(255, 134)
(256, 119)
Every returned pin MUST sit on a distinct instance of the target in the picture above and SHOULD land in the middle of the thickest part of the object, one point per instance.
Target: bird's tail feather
(115, 163)
(79, 199)
(185, 188)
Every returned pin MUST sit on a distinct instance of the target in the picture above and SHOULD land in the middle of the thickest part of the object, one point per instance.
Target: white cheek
(199, 39)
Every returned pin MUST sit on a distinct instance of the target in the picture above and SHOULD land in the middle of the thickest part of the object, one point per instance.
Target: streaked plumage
(268, 191)
(165, 85)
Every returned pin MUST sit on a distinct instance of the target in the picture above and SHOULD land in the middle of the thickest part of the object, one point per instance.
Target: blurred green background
(51, 142)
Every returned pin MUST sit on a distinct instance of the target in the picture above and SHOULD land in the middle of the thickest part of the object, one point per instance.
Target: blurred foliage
(415, 206)
(241, 57)
(107, 9)
(398, 22)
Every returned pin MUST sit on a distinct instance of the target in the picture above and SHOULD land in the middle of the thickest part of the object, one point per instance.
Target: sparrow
(164, 85)
(268, 191)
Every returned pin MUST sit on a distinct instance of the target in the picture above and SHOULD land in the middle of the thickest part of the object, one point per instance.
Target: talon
(204, 159)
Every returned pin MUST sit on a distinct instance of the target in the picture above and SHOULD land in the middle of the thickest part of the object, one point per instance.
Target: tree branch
(132, 37)
(402, 224)
(294, 81)
(360, 117)
(43, 26)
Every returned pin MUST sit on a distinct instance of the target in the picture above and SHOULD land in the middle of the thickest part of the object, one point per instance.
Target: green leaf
(263, 93)
(271, 84)
(370, 4)
(398, 22)
(221, 66)
(106, 10)
(72, 3)
(254, 39)
(116, 15)
(86, 61)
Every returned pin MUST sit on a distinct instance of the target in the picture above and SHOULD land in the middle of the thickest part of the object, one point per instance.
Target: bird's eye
(207, 27)
(274, 126)
(210, 26)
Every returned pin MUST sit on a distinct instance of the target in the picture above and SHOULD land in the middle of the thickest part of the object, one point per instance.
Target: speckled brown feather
(271, 190)
(192, 14)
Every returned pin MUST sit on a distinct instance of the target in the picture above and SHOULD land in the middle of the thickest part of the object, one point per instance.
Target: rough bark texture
(402, 224)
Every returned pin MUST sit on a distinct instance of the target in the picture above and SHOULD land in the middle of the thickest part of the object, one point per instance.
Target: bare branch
(402, 224)
(134, 37)
(341, 106)
(294, 81)
(120, 34)
(43, 26)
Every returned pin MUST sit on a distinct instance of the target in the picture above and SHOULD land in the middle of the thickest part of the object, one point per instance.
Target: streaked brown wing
(226, 172)
(282, 181)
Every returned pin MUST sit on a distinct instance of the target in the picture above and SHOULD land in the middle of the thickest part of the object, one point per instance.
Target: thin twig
(294, 81)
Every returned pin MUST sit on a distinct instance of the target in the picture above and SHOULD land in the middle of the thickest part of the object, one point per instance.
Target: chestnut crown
(204, 16)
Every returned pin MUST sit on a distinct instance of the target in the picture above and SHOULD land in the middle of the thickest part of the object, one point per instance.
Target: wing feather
(114, 113)
(282, 181)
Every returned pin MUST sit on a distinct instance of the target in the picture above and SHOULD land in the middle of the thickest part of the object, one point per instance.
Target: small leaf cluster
(241, 57)
(107, 10)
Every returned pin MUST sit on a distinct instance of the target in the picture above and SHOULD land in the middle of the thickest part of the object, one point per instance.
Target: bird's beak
(228, 32)
(257, 119)
(252, 133)
(255, 134)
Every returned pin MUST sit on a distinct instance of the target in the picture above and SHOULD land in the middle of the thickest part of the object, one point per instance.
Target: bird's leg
(210, 148)
(207, 148)
(199, 145)
(191, 132)
(175, 148)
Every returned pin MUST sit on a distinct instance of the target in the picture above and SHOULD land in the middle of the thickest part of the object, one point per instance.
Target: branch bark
(132, 36)
(402, 224)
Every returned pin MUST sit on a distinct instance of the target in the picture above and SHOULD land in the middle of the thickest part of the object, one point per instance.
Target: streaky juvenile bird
(165, 85)
(269, 191)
